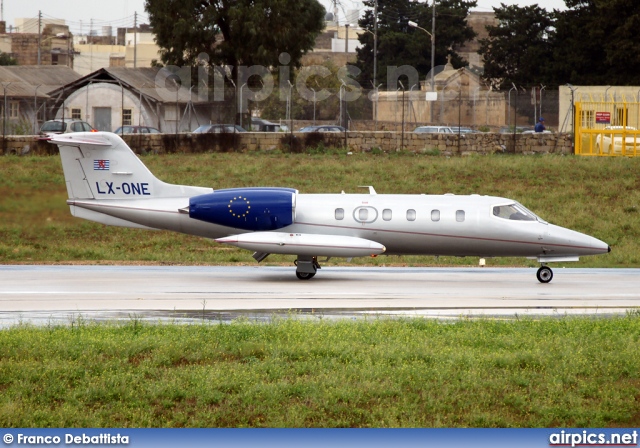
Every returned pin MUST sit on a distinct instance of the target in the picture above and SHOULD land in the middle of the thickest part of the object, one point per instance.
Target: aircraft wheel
(305, 275)
(545, 274)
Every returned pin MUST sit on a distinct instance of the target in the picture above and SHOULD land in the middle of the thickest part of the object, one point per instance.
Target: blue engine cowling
(257, 209)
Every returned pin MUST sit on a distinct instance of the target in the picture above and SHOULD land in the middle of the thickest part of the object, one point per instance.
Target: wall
(94, 57)
(446, 145)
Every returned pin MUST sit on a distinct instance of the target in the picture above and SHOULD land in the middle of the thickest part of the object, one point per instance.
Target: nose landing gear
(544, 274)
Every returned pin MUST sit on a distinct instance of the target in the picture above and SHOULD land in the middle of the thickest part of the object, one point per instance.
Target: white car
(433, 130)
(614, 137)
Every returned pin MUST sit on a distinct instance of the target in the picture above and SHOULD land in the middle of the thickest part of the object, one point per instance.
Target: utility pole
(135, 39)
(375, 44)
(433, 47)
(39, 36)
(346, 38)
(90, 45)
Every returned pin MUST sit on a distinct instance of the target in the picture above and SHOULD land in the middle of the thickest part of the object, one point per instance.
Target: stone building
(460, 99)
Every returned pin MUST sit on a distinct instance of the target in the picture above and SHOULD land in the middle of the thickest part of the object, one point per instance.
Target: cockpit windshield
(514, 212)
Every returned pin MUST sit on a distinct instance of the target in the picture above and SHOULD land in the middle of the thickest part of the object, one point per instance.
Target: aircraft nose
(578, 243)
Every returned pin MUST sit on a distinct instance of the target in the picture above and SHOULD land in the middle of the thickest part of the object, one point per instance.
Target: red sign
(603, 117)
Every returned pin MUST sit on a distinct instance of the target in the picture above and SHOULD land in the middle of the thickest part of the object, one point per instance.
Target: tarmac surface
(45, 294)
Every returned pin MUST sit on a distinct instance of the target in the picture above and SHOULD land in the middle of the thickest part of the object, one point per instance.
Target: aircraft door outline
(365, 214)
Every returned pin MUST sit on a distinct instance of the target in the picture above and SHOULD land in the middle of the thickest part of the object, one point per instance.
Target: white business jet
(108, 183)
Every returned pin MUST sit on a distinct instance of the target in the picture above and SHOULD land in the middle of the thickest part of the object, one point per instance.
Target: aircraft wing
(305, 244)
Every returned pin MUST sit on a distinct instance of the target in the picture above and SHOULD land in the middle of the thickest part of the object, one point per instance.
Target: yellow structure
(607, 128)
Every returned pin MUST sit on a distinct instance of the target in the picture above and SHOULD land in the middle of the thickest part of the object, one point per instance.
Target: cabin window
(339, 214)
(363, 214)
(435, 215)
(386, 214)
(411, 215)
(460, 215)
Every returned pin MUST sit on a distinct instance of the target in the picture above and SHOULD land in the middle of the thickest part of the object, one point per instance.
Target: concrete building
(132, 50)
(619, 105)
(115, 96)
(53, 46)
(27, 94)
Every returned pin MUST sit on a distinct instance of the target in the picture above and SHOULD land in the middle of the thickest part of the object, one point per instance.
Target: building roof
(153, 82)
(27, 81)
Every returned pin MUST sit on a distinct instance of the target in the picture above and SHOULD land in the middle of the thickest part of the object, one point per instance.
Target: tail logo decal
(101, 165)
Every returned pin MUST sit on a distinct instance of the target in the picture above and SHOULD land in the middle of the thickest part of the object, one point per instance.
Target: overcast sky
(119, 13)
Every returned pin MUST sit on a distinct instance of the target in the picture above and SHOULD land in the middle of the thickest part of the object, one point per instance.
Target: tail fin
(100, 165)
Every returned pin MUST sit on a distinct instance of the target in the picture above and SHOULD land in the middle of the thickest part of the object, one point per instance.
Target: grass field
(599, 197)
(288, 373)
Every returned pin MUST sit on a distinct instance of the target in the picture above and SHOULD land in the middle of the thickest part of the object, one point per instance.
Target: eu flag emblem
(101, 165)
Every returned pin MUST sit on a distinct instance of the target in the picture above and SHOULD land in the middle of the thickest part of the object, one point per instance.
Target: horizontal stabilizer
(305, 244)
(81, 138)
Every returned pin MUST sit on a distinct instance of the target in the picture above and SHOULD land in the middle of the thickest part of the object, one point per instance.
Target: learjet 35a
(108, 183)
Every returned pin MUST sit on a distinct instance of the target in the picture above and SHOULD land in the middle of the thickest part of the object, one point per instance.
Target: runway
(38, 294)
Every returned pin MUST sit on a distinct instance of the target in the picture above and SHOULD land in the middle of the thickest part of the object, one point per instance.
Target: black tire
(305, 275)
(544, 274)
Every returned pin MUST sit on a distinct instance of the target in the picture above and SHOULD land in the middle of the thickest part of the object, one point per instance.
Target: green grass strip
(565, 372)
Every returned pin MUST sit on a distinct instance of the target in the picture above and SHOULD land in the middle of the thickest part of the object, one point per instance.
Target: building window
(14, 109)
(411, 215)
(621, 114)
(76, 114)
(460, 215)
(386, 214)
(170, 113)
(339, 214)
(435, 215)
(126, 117)
(587, 118)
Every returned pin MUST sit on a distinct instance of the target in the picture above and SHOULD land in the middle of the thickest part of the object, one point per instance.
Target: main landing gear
(306, 267)
(544, 274)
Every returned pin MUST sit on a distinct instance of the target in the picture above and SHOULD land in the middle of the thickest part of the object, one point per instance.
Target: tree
(399, 44)
(518, 50)
(6, 59)
(234, 32)
(595, 42)
(591, 42)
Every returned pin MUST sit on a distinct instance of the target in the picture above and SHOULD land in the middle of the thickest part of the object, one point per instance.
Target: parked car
(433, 130)
(136, 130)
(260, 125)
(518, 129)
(53, 127)
(323, 128)
(614, 137)
(463, 130)
(219, 129)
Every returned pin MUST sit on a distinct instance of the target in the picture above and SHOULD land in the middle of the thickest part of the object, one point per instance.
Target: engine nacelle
(257, 209)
